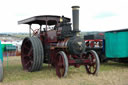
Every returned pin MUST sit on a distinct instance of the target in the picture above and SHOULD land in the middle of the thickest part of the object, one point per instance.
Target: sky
(95, 15)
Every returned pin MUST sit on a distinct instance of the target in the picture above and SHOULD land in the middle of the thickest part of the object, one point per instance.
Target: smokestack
(75, 16)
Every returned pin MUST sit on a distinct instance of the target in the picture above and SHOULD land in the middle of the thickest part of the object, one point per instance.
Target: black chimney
(75, 16)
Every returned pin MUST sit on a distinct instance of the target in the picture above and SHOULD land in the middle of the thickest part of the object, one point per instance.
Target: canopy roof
(50, 19)
(120, 30)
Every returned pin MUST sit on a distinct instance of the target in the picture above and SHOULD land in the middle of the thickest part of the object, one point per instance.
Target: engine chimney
(75, 16)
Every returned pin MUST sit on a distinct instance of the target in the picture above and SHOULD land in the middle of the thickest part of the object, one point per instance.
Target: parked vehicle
(96, 42)
(116, 45)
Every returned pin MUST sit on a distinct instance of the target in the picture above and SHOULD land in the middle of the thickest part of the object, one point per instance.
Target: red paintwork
(85, 61)
(96, 40)
(93, 43)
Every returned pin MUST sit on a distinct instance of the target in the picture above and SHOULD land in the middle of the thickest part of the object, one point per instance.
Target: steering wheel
(35, 32)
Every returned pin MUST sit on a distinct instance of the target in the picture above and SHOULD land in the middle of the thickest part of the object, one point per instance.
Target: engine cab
(49, 23)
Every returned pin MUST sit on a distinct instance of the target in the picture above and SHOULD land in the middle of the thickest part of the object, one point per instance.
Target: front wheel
(94, 64)
(61, 64)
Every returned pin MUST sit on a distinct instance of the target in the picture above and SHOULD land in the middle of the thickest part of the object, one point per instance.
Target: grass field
(111, 73)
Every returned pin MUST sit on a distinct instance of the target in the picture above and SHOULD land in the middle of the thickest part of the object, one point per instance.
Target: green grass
(13, 74)
(112, 66)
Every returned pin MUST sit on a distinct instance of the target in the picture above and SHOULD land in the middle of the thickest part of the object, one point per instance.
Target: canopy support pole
(29, 30)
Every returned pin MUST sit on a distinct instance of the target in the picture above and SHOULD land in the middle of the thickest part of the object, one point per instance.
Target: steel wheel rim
(27, 54)
(60, 68)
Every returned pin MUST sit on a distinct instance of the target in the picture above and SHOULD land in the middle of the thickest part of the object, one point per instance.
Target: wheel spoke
(27, 63)
(30, 52)
(89, 67)
(26, 47)
(93, 63)
(57, 71)
(94, 67)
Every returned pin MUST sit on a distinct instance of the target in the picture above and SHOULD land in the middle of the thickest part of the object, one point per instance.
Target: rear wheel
(61, 64)
(32, 54)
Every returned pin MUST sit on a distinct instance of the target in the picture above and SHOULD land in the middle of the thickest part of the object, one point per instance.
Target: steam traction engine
(56, 44)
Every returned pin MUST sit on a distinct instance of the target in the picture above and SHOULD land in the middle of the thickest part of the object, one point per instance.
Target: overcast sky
(95, 15)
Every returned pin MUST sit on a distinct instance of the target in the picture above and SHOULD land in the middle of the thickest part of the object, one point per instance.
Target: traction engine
(56, 44)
